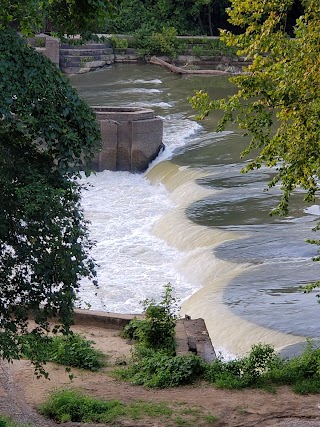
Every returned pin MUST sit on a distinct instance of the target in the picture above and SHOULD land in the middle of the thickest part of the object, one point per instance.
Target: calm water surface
(193, 220)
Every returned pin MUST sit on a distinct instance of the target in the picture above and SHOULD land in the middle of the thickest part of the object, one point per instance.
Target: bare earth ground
(21, 392)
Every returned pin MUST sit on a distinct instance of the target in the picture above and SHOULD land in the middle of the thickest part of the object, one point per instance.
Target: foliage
(187, 16)
(157, 330)
(278, 101)
(158, 43)
(70, 17)
(211, 47)
(72, 350)
(47, 133)
(154, 363)
(264, 368)
(72, 405)
(158, 369)
(119, 43)
(283, 83)
(75, 406)
(243, 372)
(8, 422)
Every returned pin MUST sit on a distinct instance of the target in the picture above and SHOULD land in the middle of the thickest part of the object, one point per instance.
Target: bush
(72, 405)
(157, 330)
(119, 43)
(154, 363)
(250, 371)
(70, 350)
(264, 368)
(158, 43)
(8, 422)
(157, 369)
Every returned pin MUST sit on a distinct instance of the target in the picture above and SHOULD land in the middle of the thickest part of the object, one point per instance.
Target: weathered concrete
(50, 48)
(103, 319)
(131, 138)
(192, 337)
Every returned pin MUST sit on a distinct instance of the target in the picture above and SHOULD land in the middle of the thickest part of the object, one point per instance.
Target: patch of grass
(71, 350)
(8, 422)
(211, 419)
(74, 406)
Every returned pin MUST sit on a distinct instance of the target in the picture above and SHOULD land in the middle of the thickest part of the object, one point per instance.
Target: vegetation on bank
(155, 364)
(73, 405)
(72, 350)
(167, 42)
(8, 422)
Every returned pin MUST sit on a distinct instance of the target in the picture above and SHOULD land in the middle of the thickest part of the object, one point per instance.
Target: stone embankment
(77, 59)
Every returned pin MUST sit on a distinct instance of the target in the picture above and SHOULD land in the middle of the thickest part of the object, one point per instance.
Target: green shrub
(74, 406)
(198, 51)
(119, 43)
(157, 369)
(264, 368)
(70, 350)
(250, 371)
(158, 43)
(8, 422)
(157, 330)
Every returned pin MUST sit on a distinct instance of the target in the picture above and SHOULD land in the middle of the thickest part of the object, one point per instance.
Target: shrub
(157, 330)
(250, 371)
(8, 422)
(70, 350)
(157, 369)
(158, 43)
(119, 43)
(73, 405)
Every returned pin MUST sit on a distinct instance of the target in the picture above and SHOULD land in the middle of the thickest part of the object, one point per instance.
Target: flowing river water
(193, 220)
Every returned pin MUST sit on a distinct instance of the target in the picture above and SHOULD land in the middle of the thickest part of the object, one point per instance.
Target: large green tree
(278, 101)
(278, 98)
(47, 135)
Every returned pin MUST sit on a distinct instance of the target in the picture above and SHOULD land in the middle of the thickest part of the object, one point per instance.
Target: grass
(8, 422)
(73, 405)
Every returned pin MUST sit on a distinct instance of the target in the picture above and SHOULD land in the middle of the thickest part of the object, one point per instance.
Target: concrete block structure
(131, 138)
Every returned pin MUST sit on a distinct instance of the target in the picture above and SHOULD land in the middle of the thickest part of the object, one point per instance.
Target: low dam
(131, 138)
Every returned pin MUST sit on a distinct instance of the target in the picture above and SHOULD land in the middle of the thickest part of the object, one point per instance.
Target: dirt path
(21, 392)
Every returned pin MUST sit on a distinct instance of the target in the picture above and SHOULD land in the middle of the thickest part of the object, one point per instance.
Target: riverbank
(21, 392)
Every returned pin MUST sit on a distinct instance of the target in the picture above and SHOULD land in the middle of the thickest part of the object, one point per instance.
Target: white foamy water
(133, 264)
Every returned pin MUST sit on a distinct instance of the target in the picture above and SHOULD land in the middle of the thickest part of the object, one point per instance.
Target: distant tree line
(189, 17)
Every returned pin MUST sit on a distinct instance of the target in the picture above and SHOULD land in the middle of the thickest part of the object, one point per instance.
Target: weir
(131, 138)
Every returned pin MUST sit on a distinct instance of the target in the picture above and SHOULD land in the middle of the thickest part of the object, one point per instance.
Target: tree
(47, 135)
(278, 98)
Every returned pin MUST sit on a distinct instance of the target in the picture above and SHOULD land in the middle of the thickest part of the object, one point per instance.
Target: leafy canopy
(47, 134)
(278, 101)
(71, 17)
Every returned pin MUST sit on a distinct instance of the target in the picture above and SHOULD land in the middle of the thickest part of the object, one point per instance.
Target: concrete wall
(50, 48)
(131, 138)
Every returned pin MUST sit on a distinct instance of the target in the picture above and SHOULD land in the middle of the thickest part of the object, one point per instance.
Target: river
(193, 220)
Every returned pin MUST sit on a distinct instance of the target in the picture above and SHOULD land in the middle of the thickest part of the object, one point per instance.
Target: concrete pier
(131, 138)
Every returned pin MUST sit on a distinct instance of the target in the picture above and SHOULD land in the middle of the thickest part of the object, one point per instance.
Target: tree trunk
(157, 61)
(210, 20)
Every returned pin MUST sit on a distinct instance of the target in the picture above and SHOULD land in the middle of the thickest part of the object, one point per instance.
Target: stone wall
(131, 138)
